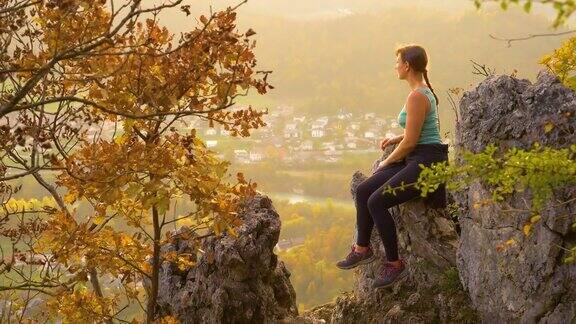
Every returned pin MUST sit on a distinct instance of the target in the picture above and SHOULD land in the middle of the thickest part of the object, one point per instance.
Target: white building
(256, 156)
(291, 130)
(369, 134)
(369, 116)
(211, 143)
(320, 122)
(389, 134)
(241, 154)
(306, 146)
(318, 132)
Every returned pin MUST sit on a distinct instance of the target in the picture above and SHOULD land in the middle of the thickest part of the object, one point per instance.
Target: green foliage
(325, 227)
(562, 62)
(451, 280)
(540, 169)
(564, 8)
(571, 258)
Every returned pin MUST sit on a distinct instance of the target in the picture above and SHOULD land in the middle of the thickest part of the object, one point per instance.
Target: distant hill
(346, 60)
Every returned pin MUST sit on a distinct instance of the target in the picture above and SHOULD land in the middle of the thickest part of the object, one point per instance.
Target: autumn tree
(95, 101)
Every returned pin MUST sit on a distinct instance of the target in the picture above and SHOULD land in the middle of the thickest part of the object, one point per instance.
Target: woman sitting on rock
(420, 143)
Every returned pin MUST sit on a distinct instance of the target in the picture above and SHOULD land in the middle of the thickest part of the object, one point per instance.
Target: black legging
(372, 203)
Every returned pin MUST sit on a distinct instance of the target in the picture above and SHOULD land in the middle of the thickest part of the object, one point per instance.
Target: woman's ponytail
(435, 96)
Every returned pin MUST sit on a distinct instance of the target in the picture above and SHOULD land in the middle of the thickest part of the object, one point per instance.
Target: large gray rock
(236, 280)
(526, 282)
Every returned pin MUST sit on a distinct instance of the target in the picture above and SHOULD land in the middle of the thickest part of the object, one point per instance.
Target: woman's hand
(381, 164)
(390, 140)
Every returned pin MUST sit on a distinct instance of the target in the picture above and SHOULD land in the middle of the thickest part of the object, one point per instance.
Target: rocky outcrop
(431, 292)
(237, 279)
(527, 282)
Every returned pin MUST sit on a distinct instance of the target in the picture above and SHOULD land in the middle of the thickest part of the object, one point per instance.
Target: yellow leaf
(120, 140)
(526, 229)
(128, 123)
(99, 219)
(548, 127)
(217, 228)
(70, 197)
(510, 242)
(534, 219)
(232, 232)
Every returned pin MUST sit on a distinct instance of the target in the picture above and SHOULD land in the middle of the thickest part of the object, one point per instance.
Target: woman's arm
(415, 115)
(398, 138)
(390, 140)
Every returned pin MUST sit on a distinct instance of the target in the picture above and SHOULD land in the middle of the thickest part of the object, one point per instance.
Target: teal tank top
(430, 132)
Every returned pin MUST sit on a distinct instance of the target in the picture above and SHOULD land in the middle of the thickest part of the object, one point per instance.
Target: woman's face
(401, 68)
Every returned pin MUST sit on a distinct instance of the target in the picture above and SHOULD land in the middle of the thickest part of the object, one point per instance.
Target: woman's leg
(379, 202)
(364, 220)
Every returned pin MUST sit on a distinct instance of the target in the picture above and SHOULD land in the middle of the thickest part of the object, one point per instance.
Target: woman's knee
(376, 201)
(363, 191)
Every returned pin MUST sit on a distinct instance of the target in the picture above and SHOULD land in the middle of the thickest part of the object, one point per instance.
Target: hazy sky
(317, 9)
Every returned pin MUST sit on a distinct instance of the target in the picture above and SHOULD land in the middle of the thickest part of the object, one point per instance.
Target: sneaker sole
(402, 276)
(365, 261)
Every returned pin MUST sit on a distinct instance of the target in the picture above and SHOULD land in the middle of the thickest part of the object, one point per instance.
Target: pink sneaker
(354, 259)
(390, 274)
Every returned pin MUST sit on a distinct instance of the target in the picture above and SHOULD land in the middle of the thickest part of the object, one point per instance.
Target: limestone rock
(237, 280)
(527, 282)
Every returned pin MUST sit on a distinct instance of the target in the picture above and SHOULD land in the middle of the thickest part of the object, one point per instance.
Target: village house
(211, 143)
(369, 134)
(351, 144)
(241, 156)
(291, 131)
(256, 156)
(318, 132)
(369, 116)
(389, 135)
(306, 145)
